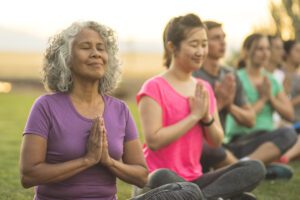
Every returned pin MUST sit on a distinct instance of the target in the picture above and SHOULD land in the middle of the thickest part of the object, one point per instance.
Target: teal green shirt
(264, 119)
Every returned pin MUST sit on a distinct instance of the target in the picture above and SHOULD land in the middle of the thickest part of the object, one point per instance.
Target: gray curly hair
(57, 76)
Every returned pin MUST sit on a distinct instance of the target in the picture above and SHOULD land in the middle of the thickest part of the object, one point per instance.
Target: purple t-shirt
(54, 118)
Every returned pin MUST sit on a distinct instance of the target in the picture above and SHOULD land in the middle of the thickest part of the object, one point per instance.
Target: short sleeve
(150, 88)
(130, 129)
(38, 121)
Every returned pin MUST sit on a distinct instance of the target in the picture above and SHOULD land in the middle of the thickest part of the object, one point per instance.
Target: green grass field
(14, 109)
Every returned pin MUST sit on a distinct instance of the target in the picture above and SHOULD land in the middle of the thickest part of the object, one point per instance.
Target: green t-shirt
(264, 119)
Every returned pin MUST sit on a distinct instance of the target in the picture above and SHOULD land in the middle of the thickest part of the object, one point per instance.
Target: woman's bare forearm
(45, 173)
(132, 174)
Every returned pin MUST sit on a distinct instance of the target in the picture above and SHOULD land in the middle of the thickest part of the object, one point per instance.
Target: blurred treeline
(284, 21)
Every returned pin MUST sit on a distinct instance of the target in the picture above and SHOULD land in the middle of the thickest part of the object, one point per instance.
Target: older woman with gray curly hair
(78, 139)
(57, 70)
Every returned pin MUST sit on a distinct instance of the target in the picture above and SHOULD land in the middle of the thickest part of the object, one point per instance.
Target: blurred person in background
(229, 94)
(292, 80)
(262, 141)
(274, 67)
(292, 87)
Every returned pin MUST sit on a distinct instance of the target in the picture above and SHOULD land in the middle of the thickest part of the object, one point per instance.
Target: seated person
(292, 88)
(261, 142)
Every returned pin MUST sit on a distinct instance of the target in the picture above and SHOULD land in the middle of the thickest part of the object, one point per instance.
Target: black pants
(243, 145)
(211, 156)
(173, 191)
(226, 182)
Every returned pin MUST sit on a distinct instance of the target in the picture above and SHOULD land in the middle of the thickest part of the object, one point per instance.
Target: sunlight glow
(5, 87)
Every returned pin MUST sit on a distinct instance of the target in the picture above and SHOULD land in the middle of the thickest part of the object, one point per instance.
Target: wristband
(207, 123)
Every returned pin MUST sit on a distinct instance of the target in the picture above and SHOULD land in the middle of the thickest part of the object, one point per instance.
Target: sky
(26, 24)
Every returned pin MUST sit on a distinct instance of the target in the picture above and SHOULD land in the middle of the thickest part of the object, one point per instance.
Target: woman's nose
(95, 53)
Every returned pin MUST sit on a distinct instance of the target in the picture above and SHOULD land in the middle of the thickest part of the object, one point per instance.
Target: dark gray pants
(243, 145)
(226, 182)
(173, 191)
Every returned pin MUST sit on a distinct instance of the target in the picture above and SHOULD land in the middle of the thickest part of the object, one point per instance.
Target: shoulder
(49, 104)
(115, 105)
(113, 101)
(241, 72)
(153, 85)
(49, 99)
(156, 80)
(153, 88)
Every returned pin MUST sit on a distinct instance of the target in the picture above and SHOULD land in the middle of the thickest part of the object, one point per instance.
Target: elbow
(26, 182)
(155, 141)
(143, 179)
(290, 116)
(250, 120)
(221, 139)
(143, 182)
(153, 146)
(27, 179)
(216, 142)
(250, 123)
(219, 142)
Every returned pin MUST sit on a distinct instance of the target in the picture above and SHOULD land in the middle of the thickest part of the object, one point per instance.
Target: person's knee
(162, 174)
(219, 155)
(257, 167)
(161, 177)
(286, 139)
(212, 157)
(254, 168)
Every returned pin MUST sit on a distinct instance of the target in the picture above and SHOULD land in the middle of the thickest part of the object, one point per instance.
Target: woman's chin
(197, 67)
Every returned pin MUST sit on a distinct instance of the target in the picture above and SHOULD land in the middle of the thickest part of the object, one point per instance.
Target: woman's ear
(170, 47)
